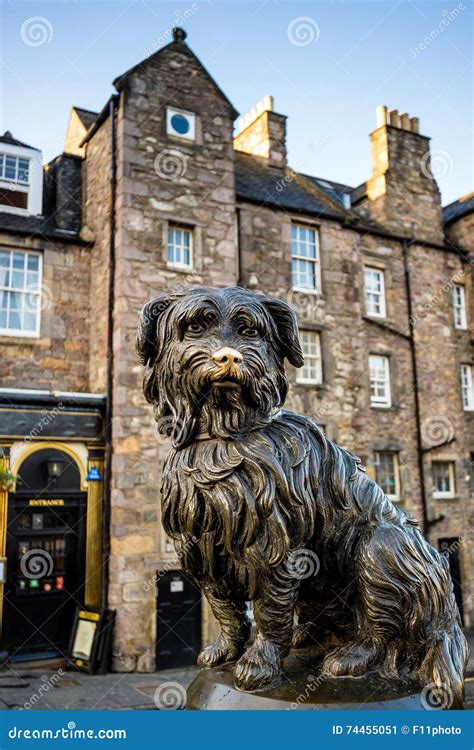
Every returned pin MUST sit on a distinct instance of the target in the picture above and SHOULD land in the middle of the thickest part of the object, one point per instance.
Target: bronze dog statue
(248, 487)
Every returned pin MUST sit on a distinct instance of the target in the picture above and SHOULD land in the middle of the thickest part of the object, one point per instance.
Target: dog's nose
(227, 358)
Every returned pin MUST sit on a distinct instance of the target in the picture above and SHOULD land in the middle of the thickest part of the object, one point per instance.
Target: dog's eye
(248, 332)
(194, 328)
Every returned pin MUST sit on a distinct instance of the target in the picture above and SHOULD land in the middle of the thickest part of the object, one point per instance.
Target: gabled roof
(459, 208)
(179, 36)
(8, 138)
(86, 116)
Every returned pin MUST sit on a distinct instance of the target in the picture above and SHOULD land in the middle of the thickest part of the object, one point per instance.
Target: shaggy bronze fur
(252, 495)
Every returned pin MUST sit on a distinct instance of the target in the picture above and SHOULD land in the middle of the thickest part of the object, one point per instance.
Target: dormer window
(21, 177)
(14, 169)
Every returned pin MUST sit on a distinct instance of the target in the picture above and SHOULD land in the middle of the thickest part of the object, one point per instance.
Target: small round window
(180, 124)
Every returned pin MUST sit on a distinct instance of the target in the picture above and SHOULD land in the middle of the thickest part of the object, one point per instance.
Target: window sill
(19, 335)
(444, 497)
(310, 383)
(304, 290)
(382, 407)
(177, 267)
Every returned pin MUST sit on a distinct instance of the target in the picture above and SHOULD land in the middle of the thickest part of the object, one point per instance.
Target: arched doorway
(46, 555)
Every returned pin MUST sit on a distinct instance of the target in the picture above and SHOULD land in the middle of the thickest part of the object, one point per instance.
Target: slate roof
(459, 208)
(40, 226)
(8, 138)
(86, 116)
(256, 182)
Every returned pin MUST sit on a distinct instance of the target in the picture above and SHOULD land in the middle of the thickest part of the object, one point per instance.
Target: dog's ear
(147, 343)
(286, 324)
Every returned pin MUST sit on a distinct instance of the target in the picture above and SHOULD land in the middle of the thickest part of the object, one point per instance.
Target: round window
(180, 124)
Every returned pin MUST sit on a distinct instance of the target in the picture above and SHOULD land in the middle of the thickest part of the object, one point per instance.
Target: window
(374, 292)
(14, 168)
(459, 306)
(179, 247)
(181, 124)
(387, 473)
(20, 293)
(443, 479)
(305, 258)
(467, 389)
(379, 376)
(312, 371)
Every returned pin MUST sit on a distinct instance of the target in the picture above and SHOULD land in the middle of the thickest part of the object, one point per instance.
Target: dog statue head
(215, 360)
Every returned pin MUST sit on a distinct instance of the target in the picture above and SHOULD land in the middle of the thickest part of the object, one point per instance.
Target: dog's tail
(442, 669)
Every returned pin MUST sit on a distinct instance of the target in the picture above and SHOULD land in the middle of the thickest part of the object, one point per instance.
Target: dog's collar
(207, 435)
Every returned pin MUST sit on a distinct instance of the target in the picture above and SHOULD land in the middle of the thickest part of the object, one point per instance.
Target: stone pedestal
(303, 687)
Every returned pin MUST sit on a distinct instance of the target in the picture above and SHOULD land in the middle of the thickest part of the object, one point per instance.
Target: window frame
(387, 402)
(396, 497)
(382, 298)
(468, 387)
(459, 307)
(4, 155)
(300, 378)
(316, 261)
(451, 493)
(177, 265)
(18, 332)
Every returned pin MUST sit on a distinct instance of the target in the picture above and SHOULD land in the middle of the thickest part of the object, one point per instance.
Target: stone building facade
(156, 193)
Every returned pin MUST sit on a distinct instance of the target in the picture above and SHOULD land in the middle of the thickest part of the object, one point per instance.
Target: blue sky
(354, 56)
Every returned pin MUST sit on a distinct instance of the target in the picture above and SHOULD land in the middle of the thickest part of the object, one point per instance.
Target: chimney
(262, 132)
(402, 193)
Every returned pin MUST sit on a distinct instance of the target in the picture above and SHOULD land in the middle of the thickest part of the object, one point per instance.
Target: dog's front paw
(220, 651)
(259, 667)
(352, 660)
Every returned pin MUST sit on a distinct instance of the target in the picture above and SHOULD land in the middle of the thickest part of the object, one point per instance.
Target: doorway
(178, 631)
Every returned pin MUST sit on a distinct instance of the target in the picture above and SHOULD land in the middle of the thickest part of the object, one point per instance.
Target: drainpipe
(110, 352)
(239, 247)
(427, 523)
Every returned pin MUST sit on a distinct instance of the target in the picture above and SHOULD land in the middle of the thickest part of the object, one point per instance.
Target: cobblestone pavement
(47, 686)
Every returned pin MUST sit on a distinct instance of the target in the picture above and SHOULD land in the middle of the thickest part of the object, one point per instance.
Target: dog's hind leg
(260, 666)
(235, 629)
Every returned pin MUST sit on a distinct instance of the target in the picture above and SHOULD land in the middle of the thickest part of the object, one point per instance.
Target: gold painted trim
(5, 462)
(48, 411)
(21, 438)
(35, 447)
(94, 536)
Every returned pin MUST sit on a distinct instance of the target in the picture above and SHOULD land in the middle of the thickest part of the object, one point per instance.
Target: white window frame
(467, 387)
(18, 332)
(15, 180)
(311, 346)
(396, 472)
(190, 116)
(380, 294)
(382, 401)
(178, 264)
(459, 306)
(316, 260)
(452, 483)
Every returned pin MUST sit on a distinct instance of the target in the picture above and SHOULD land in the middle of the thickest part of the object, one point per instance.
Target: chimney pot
(381, 115)
(268, 103)
(415, 125)
(405, 121)
(394, 118)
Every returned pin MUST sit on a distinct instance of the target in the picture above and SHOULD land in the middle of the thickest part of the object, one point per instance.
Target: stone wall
(199, 194)
(57, 360)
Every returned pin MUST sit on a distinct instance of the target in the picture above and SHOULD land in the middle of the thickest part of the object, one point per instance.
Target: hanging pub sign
(93, 475)
(91, 640)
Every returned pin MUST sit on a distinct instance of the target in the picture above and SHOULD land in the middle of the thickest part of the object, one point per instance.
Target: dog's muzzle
(228, 362)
